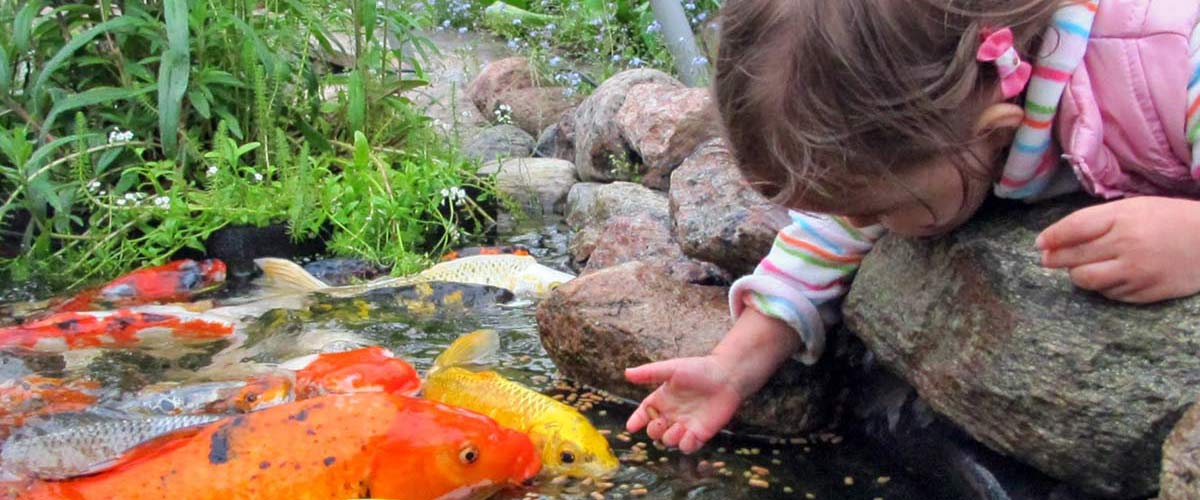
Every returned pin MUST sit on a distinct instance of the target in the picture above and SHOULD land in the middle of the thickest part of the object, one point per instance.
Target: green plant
(195, 114)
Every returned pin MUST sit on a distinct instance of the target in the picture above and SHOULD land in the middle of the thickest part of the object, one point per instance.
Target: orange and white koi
(331, 447)
(369, 369)
(172, 282)
(121, 328)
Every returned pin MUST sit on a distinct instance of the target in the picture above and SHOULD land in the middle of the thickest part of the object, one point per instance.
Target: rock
(591, 205)
(653, 317)
(558, 140)
(239, 245)
(664, 124)
(535, 108)
(598, 139)
(647, 238)
(500, 141)
(538, 184)
(1180, 478)
(1082, 388)
(497, 78)
(717, 217)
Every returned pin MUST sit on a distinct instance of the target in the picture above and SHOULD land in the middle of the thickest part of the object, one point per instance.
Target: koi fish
(566, 440)
(219, 398)
(172, 282)
(469, 251)
(520, 274)
(344, 271)
(370, 369)
(121, 328)
(35, 395)
(70, 445)
(330, 447)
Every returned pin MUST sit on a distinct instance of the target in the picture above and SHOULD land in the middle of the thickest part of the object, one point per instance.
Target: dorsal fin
(282, 275)
(473, 348)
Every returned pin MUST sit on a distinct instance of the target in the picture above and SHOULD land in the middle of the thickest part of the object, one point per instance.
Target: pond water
(823, 467)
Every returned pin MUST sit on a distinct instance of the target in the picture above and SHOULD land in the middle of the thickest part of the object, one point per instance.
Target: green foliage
(250, 125)
(565, 36)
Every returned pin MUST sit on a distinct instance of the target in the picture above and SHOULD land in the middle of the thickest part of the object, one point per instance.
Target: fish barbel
(66, 331)
(67, 445)
(568, 443)
(520, 274)
(332, 447)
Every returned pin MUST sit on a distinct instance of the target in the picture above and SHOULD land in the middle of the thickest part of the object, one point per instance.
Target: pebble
(759, 483)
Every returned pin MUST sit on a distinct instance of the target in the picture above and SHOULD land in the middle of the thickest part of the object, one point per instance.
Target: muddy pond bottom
(729, 467)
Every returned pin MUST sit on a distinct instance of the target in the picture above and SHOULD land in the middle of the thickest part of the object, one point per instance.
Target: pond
(824, 466)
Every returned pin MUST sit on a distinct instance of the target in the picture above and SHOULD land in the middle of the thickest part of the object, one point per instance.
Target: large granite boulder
(535, 108)
(1083, 388)
(500, 141)
(540, 185)
(717, 217)
(1180, 478)
(647, 238)
(598, 139)
(653, 316)
(663, 124)
(591, 205)
(498, 77)
(558, 140)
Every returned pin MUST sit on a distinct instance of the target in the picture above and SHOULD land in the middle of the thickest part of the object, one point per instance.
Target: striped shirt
(1193, 92)
(803, 278)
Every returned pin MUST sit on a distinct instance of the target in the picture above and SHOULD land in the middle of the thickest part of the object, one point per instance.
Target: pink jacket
(1121, 122)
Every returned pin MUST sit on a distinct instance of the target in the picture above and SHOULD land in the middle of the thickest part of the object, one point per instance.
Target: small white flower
(616, 58)
(121, 202)
(258, 177)
(462, 30)
(445, 193)
(555, 61)
(699, 61)
(93, 186)
(212, 171)
(654, 27)
(516, 21)
(162, 202)
(636, 62)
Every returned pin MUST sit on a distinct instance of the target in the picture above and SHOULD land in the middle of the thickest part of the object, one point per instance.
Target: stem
(20, 111)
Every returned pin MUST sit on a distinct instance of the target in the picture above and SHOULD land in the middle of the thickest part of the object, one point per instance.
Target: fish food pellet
(637, 492)
(762, 471)
(788, 489)
(797, 441)
(596, 495)
(663, 460)
(774, 452)
(759, 483)
(849, 481)
(605, 432)
(721, 450)
(603, 413)
(809, 496)
(883, 479)
(776, 461)
(624, 437)
(718, 465)
(558, 480)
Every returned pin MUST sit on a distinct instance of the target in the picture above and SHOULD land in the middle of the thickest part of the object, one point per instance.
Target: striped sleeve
(1193, 94)
(804, 277)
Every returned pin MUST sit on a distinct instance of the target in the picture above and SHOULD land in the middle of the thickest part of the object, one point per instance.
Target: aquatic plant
(191, 115)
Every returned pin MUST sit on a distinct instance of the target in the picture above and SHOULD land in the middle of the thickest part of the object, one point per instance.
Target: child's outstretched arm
(782, 310)
(1134, 250)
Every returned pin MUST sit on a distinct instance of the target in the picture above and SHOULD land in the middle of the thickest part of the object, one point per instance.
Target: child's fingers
(652, 373)
(690, 443)
(1099, 276)
(656, 428)
(1080, 227)
(674, 434)
(638, 419)
(1078, 255)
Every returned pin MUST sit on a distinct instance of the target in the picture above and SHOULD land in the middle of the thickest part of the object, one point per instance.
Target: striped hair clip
(997, 48)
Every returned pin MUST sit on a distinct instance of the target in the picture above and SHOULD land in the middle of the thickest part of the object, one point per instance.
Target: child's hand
(696, 399)
(1133, 250)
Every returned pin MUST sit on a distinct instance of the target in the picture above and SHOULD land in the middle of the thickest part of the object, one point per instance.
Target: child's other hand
(696, 399)
(1134, 250)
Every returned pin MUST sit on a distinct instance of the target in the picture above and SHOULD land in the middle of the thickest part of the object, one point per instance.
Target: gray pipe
(680, 41)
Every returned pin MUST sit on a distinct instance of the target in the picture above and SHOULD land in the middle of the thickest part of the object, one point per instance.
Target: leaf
(362, 151)
(91, 97)
(369, 14)
(357, 114)
(23, 26)
(5, 71)
(200, 103)
(76, 42)
(316, 139)
(172, 85)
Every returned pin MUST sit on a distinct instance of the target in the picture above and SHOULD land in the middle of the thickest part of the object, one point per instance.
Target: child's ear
(999, 117)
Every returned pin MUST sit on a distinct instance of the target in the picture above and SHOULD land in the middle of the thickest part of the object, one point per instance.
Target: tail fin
(473, 348)
(287, 276)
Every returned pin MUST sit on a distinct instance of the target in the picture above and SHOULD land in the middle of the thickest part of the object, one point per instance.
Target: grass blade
(5, 72)
(76, 42)
(173, 74)
(23, 26)
(357, 114)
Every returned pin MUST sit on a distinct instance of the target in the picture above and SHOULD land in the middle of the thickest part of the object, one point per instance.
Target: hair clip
(997, 48)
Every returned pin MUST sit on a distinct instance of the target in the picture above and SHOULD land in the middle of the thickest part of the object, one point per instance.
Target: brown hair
(815, 92)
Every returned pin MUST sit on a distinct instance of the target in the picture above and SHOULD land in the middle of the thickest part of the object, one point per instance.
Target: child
(864, 116)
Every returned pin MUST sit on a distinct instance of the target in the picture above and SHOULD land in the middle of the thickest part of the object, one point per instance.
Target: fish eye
(468, 455)
(567, 457)
(252, 397)
(555, 284)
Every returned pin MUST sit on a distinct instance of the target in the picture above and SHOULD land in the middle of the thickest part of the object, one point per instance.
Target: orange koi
(471, 251)
(122, 328)
(330, 447)
(172, 282)
(370, 369)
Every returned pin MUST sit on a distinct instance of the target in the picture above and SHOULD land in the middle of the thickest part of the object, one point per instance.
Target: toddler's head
(873, 109)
